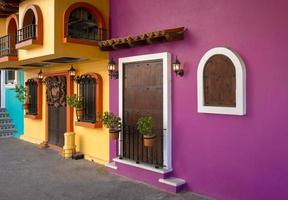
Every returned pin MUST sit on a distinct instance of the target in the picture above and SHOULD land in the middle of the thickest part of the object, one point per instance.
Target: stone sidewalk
(30, 173)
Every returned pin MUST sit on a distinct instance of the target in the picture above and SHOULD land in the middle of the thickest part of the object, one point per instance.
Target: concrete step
(173, 184)
(5, 120)
(4, 115)
(8, 131)
(112, 165)
(6, 125)
(6, 134)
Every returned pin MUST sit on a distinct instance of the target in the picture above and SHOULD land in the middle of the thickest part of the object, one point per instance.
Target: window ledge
(142, 166)
(8, 59)
(80, 41)
(28, 44)
(88, 124)
(32, 116)
(10, 86)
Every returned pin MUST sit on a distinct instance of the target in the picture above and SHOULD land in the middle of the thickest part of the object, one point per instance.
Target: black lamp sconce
(72, 72)
(40, 75)
(177, 68)
(113, 72)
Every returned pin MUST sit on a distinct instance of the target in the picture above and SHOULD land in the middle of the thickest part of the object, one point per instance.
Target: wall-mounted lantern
(113, 72)
(72, 72)
(177, 68)
(40, 75)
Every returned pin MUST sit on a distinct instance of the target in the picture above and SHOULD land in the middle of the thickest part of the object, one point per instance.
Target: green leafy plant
(74, 101)
(145, 125)
(21, 93)
(110, 120)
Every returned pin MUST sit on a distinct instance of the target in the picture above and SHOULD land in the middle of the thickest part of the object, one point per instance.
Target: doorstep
(161, 178)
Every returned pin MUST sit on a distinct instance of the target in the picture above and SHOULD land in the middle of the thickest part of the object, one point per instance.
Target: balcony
(7, 48)
(27, 37)
(134, 149)
(26, 33)
(84, 33)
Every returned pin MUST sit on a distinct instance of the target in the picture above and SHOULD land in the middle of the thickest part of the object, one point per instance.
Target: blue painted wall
(15, 108)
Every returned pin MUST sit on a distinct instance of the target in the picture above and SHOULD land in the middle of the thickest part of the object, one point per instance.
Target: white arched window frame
(240, 69)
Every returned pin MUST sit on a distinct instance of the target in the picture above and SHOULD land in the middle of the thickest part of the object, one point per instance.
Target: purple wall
(226, 157)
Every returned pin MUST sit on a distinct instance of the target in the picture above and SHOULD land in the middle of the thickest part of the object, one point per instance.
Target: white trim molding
(3, 92)
(167, 121)
(240, 70)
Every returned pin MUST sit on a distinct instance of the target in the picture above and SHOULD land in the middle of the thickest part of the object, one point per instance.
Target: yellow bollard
(69, 145)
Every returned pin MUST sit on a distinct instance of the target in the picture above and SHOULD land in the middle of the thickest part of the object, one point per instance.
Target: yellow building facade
(54, 48)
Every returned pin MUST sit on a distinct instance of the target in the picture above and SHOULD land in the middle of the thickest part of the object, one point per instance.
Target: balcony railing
(98, 35)
(26, 33)
(7, 46)
(133, 148)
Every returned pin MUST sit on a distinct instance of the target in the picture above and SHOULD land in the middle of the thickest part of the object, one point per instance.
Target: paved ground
(30, 173)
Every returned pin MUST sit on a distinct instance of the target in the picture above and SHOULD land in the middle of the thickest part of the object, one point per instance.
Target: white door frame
(167, 118)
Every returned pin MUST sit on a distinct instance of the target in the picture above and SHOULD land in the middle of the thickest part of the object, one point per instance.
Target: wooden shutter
(219, 82)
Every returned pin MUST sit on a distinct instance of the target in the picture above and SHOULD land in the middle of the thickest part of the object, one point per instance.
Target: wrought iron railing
(98, 35)
(26, 33)
(133, 148)
(7, 46)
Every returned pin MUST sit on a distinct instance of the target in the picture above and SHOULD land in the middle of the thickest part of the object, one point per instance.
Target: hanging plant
(144, 126)
(113, 122)
(76, 102)
(22, 96)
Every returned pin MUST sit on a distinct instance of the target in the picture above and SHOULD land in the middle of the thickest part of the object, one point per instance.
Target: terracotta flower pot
(114, 133)
(26, 106)
(149, 140)
(80, 113)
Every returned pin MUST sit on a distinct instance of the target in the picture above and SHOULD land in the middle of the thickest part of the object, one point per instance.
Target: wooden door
(143, 96)
(56, 102)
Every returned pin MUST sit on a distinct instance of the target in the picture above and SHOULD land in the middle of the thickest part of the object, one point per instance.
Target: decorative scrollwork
(56, 91)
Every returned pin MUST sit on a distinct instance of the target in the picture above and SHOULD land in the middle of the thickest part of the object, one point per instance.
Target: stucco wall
(226, 157)
(94, 143)
(47, 8)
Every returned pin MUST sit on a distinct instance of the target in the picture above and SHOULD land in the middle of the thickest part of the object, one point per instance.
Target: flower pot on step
(149, 140)
(114, 133)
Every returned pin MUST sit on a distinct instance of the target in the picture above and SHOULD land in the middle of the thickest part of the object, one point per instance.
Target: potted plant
(113, 122)
(144, 126)
(22, 96)
(76, 102)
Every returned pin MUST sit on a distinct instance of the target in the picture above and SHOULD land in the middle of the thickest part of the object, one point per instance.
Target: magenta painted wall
(225, 157)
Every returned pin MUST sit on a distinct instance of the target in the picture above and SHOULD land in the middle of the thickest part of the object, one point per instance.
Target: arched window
(83, 23)
(221, 83)
(32, 27)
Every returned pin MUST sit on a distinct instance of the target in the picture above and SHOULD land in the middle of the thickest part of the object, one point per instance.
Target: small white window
(221, 81)
(11, 78)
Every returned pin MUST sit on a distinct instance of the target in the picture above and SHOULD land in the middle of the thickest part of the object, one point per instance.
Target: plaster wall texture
(226, 157)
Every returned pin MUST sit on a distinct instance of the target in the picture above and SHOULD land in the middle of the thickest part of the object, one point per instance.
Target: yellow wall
(3, 27)
(94, 143)
(47, 7)
(73, 49)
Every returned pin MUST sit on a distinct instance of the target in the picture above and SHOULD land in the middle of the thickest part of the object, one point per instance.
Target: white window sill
(11, 86)
(142, 166)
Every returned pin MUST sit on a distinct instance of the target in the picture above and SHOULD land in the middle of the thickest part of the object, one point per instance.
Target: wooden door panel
(143, 96)
(57, 111)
